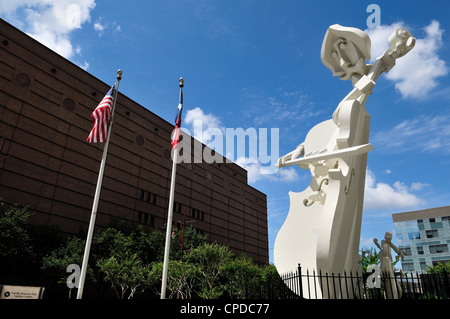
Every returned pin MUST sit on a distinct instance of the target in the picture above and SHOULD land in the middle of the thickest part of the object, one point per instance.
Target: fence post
(417, 287)
(299, 269)
(446, 286)
(308, 286)
(407, 289)
(346, 284)
(353, 286)
(315, 285)
(435, 284)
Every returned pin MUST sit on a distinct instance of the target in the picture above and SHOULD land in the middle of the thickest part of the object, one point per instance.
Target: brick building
(45, 107)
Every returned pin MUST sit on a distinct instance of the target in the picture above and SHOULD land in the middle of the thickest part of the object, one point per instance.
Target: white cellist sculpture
(322, 228)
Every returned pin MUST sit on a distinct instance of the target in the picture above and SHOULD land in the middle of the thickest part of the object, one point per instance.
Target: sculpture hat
(357, 37)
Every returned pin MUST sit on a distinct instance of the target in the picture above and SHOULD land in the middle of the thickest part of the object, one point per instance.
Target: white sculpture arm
(400, 254)
(375, 241)
(299, 151)
(401, 42)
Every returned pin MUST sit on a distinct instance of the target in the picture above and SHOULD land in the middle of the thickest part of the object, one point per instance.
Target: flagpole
(170, 214)
(97, 195)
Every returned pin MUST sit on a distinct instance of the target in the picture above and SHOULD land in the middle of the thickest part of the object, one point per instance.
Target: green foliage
(70, 253)
(15, 241)
(241, 276)
(149, 245)
(439, 268)
(124, 258)
(110, 242)
(183, 242)
(131, 262)
(130, 259)
(273, 284)
(211, 271)
(182, 278)
(126, 273)
(369, 256)
(211, 260)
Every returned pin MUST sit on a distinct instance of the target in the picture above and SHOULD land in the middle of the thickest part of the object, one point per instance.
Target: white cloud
(382, 196)
(419, 186)
(101, 27)
(206, 127)
(98, 27)
(84, 66)
(286, 108)
(258, 172)
(209, 124)
(58, 43)
(415, 75)
(49, 21)
(421, 134)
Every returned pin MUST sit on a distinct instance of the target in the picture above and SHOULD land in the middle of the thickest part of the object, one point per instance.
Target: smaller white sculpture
(392, 287)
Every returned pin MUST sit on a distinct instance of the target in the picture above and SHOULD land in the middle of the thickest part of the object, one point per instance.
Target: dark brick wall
(45, 107)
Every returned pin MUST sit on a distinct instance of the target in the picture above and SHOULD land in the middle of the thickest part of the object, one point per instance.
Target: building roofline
(420, 214)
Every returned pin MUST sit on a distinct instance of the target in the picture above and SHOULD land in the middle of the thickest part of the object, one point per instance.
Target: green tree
(182, 278)
(369, 256)
(274, 285)
(210, 260)
(105, 244)
(439, 268)
(242, 278)
(126, 273)
(182, 242)
(110, 242)
(59, 259)
(149, 244)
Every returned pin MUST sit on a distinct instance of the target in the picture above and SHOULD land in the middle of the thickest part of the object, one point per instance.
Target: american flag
(176, 131)
(100, 116)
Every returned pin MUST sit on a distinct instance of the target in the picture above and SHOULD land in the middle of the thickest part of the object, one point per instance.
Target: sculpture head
(388, 236)
(344, 51)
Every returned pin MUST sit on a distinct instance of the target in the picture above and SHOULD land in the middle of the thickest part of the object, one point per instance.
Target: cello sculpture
(322, 229)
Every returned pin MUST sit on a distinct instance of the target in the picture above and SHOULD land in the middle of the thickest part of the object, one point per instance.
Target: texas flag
(176, 131)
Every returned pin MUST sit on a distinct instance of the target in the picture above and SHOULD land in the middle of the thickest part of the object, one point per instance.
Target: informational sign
(21, 292)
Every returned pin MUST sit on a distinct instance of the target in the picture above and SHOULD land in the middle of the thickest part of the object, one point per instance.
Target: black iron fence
(318, 285)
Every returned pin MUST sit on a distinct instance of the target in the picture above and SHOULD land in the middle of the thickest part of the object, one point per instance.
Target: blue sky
(256, 64)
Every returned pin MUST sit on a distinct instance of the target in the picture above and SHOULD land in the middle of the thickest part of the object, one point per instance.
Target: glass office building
(424, 236)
